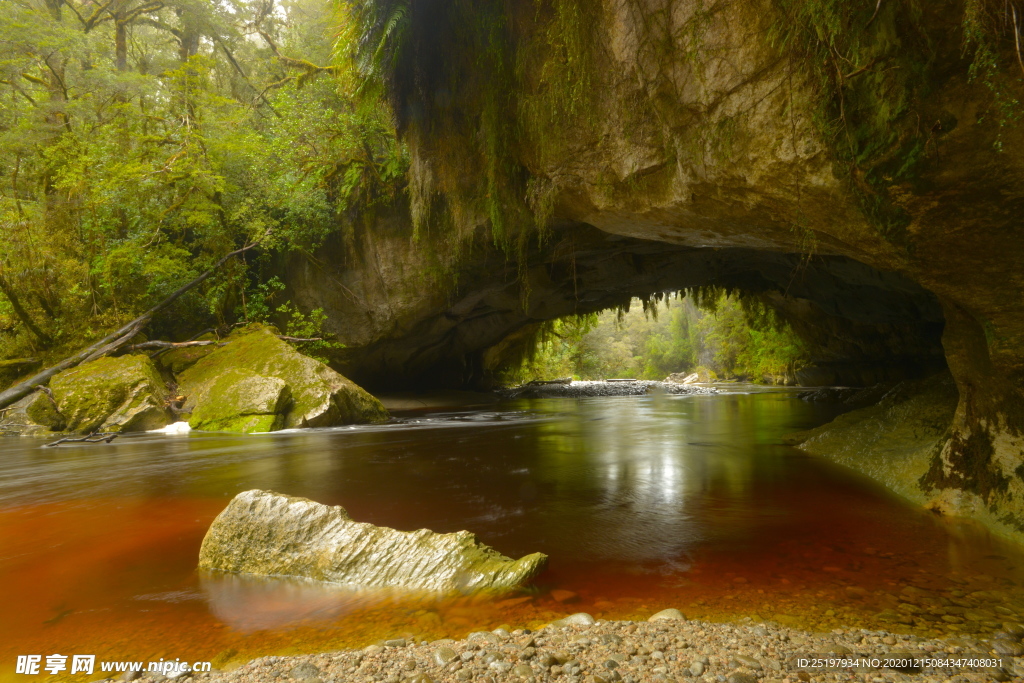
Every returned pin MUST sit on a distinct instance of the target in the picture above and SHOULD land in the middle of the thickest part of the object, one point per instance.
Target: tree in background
(719, 333)
(140, 140)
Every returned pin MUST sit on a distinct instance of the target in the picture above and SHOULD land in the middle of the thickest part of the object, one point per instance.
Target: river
(641, 502)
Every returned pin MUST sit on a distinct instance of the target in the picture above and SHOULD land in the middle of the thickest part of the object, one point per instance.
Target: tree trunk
(22, 314)
(112, 341)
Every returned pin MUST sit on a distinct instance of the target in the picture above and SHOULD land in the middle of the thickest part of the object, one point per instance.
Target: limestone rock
(239, 400)
(124, 394)
(261, 532)
(670, 614)
(36, 414)
(578, 619)
(318, 396)
(893, 441)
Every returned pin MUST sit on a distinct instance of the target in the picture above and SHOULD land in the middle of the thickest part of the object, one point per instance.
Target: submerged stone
(317, 395)
(123, 394)
(261, 532)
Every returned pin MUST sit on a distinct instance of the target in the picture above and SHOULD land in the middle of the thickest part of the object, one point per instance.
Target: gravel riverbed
(577, 649)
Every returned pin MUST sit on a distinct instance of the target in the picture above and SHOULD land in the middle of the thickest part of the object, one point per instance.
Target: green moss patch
(318, 396)
(124, 394)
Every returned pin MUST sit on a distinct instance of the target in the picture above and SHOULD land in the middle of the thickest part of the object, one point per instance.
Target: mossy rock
(267, 533)
(124, 394)
(239, 400)
(177, 361)
(320, 397)
(36, 414)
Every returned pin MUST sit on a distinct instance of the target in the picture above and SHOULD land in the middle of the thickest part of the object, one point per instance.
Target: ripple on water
(642, 503)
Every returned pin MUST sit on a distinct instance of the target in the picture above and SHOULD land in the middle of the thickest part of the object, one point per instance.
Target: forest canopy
(141, 140)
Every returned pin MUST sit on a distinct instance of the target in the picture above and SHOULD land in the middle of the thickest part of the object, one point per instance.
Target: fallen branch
(192, 338)
(170, 345)
(114, 340)
(95, 437)
(298, 339)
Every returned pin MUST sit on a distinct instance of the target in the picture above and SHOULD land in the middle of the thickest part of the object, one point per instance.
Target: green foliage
(986, 25)
(872, 65)
(461, 79)
(128, 167)
(726, 335)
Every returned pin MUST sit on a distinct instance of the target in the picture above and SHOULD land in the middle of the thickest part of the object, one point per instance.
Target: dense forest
(715, 334)
(141, 140)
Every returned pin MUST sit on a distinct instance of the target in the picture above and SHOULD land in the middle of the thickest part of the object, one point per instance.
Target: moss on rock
(266, 533)
(893, 441)
(239, 400)
(177, 361)
(320, 397)
(34, 415)
(124, 394)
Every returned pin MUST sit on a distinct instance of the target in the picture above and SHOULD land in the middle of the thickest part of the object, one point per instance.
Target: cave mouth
(859, 325)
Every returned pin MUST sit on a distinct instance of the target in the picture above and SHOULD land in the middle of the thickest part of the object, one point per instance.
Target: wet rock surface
(267, 533)
(640, 652)
(34, 415)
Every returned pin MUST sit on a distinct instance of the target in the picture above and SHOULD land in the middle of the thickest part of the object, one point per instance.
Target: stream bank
(662, 650)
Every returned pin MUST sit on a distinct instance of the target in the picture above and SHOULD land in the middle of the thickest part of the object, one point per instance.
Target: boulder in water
(239, 400)
(123, 394)
(266, 533)
(317, 396)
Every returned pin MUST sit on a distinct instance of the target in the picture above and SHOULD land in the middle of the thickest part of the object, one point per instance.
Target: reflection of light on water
(255, 603)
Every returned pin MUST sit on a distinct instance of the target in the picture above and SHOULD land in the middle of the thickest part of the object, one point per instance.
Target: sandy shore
(579, 650)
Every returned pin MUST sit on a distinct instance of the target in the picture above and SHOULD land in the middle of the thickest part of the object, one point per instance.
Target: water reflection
(639, 501)
(253, 603)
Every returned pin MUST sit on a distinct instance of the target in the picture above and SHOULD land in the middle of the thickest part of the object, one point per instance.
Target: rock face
(124, 394)
(891, 441)
(267, 533)
(34, 415)
(256, 383)
(706, 163)
(238, 400)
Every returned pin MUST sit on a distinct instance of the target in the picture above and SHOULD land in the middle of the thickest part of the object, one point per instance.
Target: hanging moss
(487, 89)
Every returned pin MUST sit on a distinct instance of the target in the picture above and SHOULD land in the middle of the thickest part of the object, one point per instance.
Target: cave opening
(857, 325)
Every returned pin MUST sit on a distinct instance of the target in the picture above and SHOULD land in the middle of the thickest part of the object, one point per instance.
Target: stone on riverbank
(670, 614)
(630, 652)
(36, 414)
(123, 394)
(893, 441)
(261, 532)
(588, 388)
(317, 395)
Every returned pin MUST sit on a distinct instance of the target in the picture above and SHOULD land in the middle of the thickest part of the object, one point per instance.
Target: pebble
(668, 614)
(444, 655)
(578, 649)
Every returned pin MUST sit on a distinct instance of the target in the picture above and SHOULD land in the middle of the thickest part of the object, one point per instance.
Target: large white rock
(266, 533)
